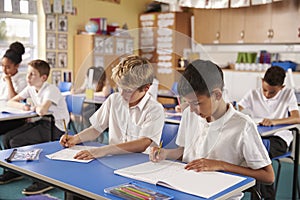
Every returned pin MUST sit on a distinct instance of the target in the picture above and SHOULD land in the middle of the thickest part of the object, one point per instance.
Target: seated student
(100, 83)
(212, 135)
(46, 98)
(11, 81)
(101, 87)
(134, 118)
(274, 104)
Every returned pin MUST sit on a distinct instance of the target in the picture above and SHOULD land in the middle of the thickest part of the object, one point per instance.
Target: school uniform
(233, 138)
(19, 83)
(146, 119)
(38, 131)
(274, 108)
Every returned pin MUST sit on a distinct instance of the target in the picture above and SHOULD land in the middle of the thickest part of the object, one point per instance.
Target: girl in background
(11, 81)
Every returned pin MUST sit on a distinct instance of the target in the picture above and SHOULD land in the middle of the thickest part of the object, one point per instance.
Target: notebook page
(68, 154)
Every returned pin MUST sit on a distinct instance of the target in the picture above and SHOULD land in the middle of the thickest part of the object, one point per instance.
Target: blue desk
(270, 130)
(4, 116)
(90, 179)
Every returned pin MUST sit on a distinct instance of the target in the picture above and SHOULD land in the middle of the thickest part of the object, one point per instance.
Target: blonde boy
(135, 120)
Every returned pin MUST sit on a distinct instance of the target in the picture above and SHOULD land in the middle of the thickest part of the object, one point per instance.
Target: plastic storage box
(285, 65)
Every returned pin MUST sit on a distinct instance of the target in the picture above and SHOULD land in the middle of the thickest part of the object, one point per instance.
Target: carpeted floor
(12, 191)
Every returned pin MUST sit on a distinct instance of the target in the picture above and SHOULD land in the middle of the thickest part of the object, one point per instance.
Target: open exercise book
(68, 154)
(173, 175)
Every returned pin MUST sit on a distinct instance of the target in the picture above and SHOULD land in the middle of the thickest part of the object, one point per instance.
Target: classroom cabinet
(99, 51)
(271, 23)
(162, 39)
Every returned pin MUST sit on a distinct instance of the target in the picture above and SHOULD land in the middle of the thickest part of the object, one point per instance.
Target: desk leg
(52, 121)
(296, 164)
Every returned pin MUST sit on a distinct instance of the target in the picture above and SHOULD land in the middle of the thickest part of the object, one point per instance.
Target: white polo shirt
(49, 92)
(18, 81)
(233, 138)
(275, 108)
(146, 119)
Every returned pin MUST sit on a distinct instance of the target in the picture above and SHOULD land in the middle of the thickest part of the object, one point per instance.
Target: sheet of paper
(68, 154)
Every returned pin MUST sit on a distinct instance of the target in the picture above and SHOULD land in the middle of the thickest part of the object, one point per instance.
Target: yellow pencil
(66, 131)
(160, 146)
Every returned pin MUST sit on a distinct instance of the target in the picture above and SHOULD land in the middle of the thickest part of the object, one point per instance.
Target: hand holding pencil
(157, 153)
(66, 140)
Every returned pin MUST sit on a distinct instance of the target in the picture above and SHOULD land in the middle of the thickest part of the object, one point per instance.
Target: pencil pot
(89, 93)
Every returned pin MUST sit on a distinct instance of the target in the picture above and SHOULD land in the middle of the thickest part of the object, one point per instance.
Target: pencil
(66, 131)
(160, 146)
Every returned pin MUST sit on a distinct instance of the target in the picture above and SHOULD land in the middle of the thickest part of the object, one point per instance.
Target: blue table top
(90, 179)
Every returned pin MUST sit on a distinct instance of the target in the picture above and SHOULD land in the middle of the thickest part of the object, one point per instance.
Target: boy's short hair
(132, 72)
(200, 77)
(41, 66)
(275, 76)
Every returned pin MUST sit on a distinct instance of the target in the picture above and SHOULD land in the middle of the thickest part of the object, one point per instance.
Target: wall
(125, 12)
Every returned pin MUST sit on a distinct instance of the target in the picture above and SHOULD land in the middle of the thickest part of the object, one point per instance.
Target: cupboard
(99, 51)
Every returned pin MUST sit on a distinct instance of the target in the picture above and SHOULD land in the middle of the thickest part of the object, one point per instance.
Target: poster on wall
(32, 7)
(51, 42)
(62, 40)
(62, 59)
(68, 7)
(51, 58)
(1, 6)
(57, 6)
(47, 6)
(50, 23)
(56, 77)
(62, 23)
(15, 5)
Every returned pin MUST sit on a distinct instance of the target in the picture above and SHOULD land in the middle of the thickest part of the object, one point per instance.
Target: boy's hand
(204, 164)
(67, 140)
(89, 154)
(267, 122)
(157, 155)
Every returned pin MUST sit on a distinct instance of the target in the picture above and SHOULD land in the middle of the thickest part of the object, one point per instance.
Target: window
(19, 27)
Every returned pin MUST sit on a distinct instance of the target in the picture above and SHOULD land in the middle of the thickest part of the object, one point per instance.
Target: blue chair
(288, 155)
(169, 134)
(75, 105)
(64, 86)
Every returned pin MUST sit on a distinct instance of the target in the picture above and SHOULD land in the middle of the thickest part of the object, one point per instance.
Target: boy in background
(212, 135)
(45, 98)
(134, 118)
(273, 104)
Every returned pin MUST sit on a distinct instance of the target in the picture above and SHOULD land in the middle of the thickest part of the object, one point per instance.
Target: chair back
(64, 86)
(74, 104)
(169, 135)
(174, 88)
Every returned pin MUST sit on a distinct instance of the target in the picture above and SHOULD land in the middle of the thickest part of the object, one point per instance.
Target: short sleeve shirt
(125, 123)
(274, 108)
(18, 81)
(233, 138)
(49, 92)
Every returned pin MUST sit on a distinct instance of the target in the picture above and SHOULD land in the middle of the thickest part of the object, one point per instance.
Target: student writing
(212, 135)
(134, 118)
(274, 104)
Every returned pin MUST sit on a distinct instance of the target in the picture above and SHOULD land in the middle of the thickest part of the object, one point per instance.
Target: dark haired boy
(273, 104)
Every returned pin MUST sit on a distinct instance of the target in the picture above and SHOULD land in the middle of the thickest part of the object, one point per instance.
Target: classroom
(70, 87)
